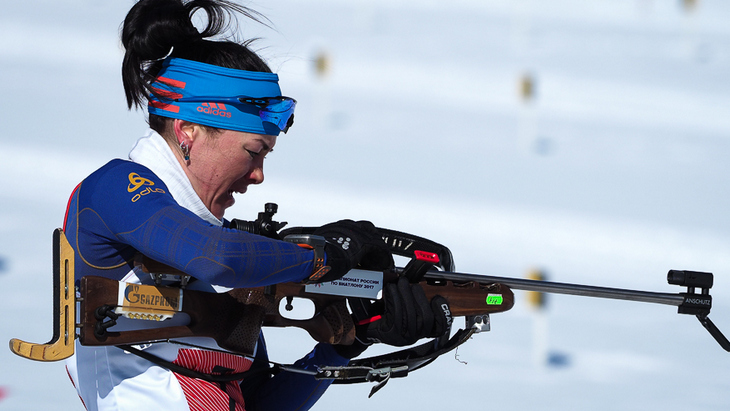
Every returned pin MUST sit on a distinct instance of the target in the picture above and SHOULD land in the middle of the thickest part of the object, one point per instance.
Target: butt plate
(61, 346)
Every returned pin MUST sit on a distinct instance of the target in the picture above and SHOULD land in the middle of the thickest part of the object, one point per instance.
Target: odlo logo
(136, 182)
(218, 109)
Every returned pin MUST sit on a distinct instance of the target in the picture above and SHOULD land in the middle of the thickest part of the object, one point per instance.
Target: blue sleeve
(124, 208)
(288, 391)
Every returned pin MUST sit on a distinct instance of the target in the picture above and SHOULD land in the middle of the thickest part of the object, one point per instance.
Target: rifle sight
(263, 225)
(690, 279)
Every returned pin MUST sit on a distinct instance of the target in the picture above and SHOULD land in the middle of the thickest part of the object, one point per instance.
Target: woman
(215, 111)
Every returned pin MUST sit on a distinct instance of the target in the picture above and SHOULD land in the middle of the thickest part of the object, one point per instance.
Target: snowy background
(613, 172)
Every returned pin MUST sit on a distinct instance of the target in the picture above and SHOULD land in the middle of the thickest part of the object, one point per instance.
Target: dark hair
(153, 28)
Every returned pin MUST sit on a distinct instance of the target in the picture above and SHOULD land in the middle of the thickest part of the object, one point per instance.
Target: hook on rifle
(106, 318)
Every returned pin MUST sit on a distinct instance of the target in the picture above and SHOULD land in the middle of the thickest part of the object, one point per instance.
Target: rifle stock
(234, 318)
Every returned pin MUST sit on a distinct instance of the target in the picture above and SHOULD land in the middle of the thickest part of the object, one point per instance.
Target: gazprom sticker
(147, 302)
(494, 299)
(357, 283)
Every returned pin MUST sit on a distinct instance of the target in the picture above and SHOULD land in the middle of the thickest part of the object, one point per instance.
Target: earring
(185, 150)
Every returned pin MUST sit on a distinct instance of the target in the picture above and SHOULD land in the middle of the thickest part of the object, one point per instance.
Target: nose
(256, 176)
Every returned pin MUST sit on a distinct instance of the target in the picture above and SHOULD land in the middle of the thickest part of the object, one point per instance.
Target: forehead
(265, 141)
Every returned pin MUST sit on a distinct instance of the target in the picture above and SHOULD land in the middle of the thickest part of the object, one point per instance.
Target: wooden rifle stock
(234, 318)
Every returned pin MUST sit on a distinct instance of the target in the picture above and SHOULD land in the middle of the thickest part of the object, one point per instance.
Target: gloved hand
(407, 316)
(353, 244)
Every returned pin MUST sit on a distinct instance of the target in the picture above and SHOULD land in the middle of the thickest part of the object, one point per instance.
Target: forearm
(217, 255)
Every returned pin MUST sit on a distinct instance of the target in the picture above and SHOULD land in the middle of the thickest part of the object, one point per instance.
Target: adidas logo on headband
(216, 109)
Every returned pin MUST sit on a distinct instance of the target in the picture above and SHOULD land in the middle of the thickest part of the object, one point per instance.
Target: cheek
(240, 166)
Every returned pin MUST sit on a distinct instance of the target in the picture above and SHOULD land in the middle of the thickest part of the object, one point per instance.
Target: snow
(613, 173)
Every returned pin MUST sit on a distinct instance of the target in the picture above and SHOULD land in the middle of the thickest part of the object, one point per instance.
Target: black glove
(407, 316)
(352, 244)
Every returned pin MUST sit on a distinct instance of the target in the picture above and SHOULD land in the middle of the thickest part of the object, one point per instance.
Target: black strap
(218, 378)
(413, 358)
(373, 369)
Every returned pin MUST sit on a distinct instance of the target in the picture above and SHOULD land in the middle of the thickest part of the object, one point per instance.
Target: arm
(107, 224)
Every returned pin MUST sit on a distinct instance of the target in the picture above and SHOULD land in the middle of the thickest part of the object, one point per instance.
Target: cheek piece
(231, 99)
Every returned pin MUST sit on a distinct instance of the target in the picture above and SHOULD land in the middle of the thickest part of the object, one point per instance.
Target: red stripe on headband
(167, 93)
(171, 82)
(165, 106)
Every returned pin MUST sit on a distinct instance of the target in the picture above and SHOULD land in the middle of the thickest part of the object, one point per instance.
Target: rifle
(234, 319)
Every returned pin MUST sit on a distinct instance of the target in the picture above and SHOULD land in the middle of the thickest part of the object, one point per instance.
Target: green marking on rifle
(494, 299)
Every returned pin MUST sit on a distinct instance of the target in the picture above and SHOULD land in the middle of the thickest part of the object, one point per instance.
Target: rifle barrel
(561, 288)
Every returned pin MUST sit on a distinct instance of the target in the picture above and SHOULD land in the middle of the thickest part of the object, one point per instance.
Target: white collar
(153, 152)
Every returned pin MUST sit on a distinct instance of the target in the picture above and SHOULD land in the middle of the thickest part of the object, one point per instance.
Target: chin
(218, 211)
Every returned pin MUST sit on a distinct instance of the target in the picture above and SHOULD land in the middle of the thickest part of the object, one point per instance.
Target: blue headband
(180, 78)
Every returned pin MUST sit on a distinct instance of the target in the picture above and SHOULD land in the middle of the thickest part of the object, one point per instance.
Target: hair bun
(153, 28)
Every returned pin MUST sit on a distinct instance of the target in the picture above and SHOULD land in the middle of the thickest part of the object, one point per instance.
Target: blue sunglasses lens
(276, 110)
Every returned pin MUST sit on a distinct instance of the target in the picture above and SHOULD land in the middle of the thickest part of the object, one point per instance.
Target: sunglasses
(276, 110)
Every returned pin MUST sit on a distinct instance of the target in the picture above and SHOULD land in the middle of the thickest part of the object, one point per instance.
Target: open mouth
(232, 192)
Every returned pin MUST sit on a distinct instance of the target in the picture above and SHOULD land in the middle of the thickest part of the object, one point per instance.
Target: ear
(185, 131)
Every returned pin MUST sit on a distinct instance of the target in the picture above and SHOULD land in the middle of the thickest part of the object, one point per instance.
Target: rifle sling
(218, 378)
(413, 358)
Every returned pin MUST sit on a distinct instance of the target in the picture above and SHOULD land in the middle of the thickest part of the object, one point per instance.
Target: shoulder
(122, 178)
(124, 171)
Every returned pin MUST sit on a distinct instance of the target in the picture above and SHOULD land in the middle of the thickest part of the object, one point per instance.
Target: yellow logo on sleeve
(136, 182)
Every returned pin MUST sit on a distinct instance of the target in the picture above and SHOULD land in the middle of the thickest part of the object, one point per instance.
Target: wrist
(316, 244)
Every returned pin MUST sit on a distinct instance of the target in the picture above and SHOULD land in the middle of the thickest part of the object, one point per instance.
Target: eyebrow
(264, 145)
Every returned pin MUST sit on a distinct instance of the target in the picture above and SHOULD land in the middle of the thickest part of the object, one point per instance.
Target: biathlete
(215, 111)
